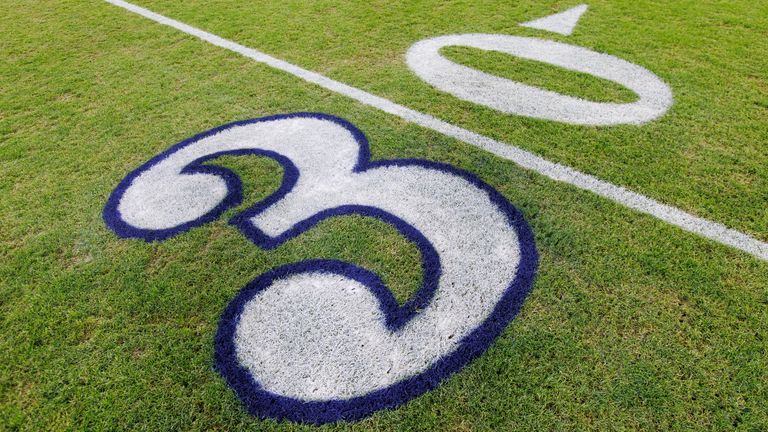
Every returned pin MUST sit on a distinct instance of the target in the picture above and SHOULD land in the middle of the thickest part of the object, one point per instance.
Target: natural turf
(706, 156)
(632, 323)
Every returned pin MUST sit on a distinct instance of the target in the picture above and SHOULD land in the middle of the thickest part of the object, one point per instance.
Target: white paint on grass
(162, 197)
(512, 97)
(320, 336)
(705, 228)
(563, 22)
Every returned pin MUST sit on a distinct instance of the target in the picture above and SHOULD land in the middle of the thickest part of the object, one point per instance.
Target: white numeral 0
(512, 97)
(323, 340)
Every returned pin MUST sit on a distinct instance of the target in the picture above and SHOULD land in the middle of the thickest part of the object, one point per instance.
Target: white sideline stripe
(703, 227)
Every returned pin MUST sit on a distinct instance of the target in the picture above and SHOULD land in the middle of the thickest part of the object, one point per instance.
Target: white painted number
(512, 97)
(326, 332)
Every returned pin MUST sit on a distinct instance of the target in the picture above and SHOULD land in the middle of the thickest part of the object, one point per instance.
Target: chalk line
(672, 215)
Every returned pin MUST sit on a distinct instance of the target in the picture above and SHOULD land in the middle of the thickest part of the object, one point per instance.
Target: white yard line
(703, 227)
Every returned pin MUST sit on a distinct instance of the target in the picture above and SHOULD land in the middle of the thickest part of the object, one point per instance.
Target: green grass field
(632, 324)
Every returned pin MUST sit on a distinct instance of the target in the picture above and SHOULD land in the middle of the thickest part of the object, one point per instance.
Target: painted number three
(323, 340)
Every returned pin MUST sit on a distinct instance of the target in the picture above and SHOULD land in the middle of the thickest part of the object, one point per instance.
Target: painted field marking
(513, 97)
(563, 22)
(324, 340)
(672, 215)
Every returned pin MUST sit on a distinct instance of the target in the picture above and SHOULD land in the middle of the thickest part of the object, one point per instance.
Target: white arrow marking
(563, 22)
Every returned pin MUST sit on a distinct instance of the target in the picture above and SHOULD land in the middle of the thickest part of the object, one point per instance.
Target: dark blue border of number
(262, 403)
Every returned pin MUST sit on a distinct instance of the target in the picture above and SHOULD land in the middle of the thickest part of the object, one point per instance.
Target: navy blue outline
(262, 403)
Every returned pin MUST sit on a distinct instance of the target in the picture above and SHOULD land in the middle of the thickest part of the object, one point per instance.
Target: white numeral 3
(323, 340)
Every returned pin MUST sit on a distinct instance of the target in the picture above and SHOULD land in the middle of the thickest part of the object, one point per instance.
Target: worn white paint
(320, 336)
(513, 97)
(563, 22)
(700, 226)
